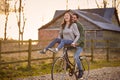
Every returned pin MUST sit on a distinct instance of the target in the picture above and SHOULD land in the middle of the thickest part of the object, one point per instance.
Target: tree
(97, 4)
(115, 4)
(66, 4)
(6, 19)
(21, 20)
(2, 6)
(105, 2)
(78, 4)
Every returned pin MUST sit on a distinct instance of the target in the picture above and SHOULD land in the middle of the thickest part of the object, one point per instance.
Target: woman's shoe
(54, 50)
(43, 51)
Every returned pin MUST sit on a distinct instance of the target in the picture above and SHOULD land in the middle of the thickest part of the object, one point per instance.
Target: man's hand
(73, 44)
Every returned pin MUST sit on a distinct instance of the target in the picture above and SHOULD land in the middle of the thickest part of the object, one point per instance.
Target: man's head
(75, 17)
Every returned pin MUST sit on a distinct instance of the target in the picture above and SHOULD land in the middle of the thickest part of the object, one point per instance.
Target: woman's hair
(64, 22)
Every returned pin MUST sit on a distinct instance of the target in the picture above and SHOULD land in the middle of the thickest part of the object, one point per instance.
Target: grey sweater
(71, 33)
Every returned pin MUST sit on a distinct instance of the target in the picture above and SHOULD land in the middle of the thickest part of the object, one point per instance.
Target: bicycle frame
(65, 55)
(71, 67)
(68, 62)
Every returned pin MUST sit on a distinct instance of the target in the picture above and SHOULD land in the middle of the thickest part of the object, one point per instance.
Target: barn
(98, 23)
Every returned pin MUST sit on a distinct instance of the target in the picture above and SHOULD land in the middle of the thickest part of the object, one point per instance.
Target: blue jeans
(76, 57)
(61, 42)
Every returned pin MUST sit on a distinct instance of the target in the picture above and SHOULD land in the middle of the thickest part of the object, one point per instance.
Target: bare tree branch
(6, 21)
(105, 3)
(16, 10)
(20, 17)
(118, 4)
(97, 4)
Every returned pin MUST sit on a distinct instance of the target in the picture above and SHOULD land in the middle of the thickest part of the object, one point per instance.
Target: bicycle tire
(59, 72)
(85, 66)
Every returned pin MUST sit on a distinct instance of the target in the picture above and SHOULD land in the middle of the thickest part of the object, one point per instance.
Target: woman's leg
(56, 40)
(64, 42)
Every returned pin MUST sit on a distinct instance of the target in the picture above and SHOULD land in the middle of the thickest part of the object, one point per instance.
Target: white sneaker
(54, 50)
(43, 51)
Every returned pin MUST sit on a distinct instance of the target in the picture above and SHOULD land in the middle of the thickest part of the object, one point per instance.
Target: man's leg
(77, 60)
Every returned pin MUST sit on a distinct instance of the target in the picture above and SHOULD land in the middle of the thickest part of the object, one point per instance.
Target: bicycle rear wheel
(59, 71)
(85, 66)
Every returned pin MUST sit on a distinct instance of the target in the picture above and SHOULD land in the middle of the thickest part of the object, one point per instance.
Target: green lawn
(100, 64)
(10, 72)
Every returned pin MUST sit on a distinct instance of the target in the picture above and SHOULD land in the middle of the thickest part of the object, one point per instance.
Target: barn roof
(100, 17)
(107, 13)
(98, 20)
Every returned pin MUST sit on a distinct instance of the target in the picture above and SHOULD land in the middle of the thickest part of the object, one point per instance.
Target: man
(79, 45)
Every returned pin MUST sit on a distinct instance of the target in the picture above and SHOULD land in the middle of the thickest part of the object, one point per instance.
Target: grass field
(13, 71)
(41, 67)
(10, 72)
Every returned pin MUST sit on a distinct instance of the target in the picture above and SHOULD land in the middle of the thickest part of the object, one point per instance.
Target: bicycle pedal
(71, 72)
(81, 78)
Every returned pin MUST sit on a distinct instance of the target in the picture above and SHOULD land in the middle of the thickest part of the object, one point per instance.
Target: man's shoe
(80, 74)
(43, 51)
(53, 50)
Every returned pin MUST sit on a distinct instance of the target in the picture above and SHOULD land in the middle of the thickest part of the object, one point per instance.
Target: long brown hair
(64, 22)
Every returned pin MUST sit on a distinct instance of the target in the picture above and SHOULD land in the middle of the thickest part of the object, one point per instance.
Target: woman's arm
(60, 35)
(75, 32)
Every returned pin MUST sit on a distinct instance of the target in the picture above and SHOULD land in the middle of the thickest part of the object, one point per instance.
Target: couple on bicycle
(71, 33)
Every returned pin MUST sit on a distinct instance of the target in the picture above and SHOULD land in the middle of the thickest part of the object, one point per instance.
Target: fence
(93, 45)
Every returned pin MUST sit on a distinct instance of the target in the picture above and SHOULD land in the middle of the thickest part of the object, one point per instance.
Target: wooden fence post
(29, 53)
(0, 51)
(107, 55)
(92, 49)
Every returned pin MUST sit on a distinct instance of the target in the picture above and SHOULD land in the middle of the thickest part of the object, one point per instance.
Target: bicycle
(64, 69)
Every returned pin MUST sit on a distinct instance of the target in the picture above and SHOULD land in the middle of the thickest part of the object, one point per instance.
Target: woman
(68, 34)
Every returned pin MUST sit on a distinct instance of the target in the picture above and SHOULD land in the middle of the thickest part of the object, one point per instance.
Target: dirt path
(106, 73)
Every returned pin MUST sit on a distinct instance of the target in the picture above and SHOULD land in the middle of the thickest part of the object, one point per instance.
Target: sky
(38, 13)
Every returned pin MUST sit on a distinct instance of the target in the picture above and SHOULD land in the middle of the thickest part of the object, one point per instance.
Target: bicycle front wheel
(59, 71)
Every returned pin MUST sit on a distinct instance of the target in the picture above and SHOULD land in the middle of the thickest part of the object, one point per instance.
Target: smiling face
(74, 18)
(67, 17)
(67, 20)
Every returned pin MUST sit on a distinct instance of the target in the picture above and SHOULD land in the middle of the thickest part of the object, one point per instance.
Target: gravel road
(105, 73)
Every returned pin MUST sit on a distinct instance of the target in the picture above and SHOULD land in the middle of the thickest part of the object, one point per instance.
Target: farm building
(99, 24)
